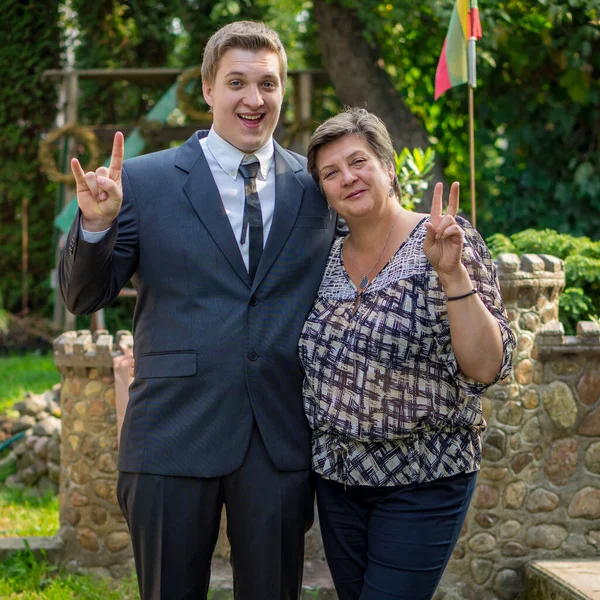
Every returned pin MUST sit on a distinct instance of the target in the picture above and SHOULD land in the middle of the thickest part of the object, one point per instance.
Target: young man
(226, 257)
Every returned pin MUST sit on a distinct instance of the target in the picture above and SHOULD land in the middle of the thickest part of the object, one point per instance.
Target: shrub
(581, 299)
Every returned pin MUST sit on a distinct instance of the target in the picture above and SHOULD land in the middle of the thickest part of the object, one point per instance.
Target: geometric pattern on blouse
(383, 392)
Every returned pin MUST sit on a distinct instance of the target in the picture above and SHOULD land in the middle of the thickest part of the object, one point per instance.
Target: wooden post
(62, 317)
(304, 106)
(68, 191)
(24, 257)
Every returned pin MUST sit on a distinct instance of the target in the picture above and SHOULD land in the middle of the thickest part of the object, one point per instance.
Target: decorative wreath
(183, 98)
(47, 162)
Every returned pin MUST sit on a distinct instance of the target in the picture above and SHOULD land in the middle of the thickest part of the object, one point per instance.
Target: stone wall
(92, 528)
(538, 493)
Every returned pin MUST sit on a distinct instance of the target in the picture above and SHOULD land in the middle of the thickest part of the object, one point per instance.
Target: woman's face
(353, 179)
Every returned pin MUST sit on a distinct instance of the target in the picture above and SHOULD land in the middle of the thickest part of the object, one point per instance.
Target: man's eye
(235, 83)
(269, 84)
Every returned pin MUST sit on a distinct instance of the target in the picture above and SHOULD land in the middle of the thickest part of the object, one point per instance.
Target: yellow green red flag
(452, 66)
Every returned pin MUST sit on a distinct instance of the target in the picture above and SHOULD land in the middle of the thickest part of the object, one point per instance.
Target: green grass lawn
(23, 515)
(20, 514)
(25, 373)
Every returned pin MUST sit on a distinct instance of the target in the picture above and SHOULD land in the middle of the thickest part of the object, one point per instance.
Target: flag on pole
(452, 66)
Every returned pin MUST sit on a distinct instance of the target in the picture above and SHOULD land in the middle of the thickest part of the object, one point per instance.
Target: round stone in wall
(485, 520)
(588, 387)
(493, 473)
(559, 404)
(530, 399)
(513, 549)
(591, 424)
(585, 504)
(481, 569)
(486, 496)
(511, 413)
(88, 539)
(514, 494)
(494, 445)
(561, 461)
(482, 543)
(541, 500)
(532, 431)
(549, 537)
(117, 540)
(507, 584)
(509, 529)
(592, 458)
(520, 461)
(524, 371)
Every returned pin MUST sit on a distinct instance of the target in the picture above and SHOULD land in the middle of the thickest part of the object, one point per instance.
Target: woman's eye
(329, 174)
(359, 161)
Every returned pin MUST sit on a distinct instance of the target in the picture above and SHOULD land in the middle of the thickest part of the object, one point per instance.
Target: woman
(407, 331)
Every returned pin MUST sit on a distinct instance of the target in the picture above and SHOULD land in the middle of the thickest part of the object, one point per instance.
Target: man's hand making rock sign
(100, 193)
(444, 239)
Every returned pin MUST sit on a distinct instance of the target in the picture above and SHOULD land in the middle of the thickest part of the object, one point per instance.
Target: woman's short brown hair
(245, 35)
(354, 121)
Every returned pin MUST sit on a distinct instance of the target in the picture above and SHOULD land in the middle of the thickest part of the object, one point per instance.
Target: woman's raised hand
(444, 239)
(100, 193)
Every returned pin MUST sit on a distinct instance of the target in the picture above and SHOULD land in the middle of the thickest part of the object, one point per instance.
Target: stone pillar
(503, 531)
(91, 524)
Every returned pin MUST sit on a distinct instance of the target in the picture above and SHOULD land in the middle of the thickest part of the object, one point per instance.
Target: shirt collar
(230, 158)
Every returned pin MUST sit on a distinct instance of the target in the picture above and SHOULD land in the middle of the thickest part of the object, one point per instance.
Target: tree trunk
(359, 81)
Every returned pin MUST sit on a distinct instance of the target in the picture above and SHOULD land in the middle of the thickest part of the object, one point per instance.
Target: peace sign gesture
(444, 239)
(100, 193)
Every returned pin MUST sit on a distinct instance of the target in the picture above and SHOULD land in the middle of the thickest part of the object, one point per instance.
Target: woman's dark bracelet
(451, 298)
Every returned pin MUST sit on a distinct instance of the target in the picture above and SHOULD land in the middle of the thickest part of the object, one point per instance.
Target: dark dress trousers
(217, 377)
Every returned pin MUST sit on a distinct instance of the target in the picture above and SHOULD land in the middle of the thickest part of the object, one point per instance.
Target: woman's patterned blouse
(383, 392)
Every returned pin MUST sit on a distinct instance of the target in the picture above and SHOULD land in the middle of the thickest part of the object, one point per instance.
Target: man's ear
(207, 92)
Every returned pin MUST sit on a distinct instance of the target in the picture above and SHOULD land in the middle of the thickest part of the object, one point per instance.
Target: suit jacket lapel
(202, 192)
(288, 198)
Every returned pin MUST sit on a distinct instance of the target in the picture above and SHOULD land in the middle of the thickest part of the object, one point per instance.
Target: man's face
(245, 97)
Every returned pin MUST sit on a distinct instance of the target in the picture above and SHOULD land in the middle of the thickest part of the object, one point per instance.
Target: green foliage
(118, 34)
(414, 171)
(581, 299)
(537, 133)
(26, 373)
(575, 305)
(29, 44)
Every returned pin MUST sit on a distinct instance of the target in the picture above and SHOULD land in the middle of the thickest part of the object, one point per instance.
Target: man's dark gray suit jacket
(214, 351)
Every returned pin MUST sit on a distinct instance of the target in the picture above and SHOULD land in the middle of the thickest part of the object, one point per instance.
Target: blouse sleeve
(481, 268)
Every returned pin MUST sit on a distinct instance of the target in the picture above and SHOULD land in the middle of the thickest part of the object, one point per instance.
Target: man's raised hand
(100, 193)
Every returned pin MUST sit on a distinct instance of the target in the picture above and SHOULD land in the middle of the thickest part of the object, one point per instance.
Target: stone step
(46, 548)
(317, 583)
(562, 580)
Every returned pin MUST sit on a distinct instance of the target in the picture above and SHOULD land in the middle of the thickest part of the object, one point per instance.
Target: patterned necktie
(252, 217)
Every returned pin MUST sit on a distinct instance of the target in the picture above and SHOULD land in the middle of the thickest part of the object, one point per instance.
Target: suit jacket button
(253, 301)
(252, 356)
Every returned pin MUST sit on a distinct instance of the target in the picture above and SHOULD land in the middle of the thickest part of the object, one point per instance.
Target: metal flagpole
(472, 83)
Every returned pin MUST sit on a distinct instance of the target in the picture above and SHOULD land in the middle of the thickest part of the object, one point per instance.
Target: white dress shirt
(224, 161)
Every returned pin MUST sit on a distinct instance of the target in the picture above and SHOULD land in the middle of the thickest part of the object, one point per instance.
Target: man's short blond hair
(244, 35)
